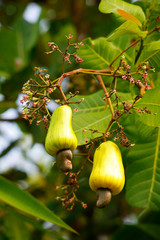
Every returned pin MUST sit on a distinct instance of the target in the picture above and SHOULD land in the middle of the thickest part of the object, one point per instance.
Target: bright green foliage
(112, 6)
(107, 42)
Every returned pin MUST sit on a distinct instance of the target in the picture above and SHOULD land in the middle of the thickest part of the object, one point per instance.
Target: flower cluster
(36, 94)
(69, 198)
(67, 55)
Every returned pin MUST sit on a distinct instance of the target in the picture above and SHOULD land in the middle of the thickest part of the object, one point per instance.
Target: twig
(99, 78)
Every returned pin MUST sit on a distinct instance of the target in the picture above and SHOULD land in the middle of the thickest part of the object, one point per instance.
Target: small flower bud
(70, 36)
(47, 76)
(124, 77)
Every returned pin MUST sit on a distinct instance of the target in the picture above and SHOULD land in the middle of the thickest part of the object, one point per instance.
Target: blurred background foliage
(26, 27)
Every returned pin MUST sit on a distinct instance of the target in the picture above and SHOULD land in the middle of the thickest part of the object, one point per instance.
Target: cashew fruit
(61, 137)
(107, 176)
(63, 160)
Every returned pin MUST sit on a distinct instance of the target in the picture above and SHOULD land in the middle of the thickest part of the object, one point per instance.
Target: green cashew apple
(61, 139)
(107, 176)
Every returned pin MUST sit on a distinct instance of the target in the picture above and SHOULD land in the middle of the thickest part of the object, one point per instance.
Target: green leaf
(15, 46)
(130, 232)
(98, 53)
(26, 36)
(21, 200)
(8, 45)
(127, 27)
(151, 53)
(93, 114)
(6, 105)
(151, 101)
(143, 175)
(15, 228)
(152, 229)
(31, 222)
(112, 7)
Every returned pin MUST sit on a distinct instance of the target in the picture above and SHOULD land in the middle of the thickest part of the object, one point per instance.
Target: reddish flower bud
(70, 36)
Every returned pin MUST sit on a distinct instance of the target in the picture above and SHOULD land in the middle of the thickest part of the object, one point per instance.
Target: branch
(99, 78)
(132, 44)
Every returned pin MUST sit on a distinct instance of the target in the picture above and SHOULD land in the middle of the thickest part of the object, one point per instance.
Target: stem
(132, 44)
(107, 129)
(99, 78)
(139, 52)
(63, 95)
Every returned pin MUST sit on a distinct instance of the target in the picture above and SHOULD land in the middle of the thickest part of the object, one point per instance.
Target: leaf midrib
(154, 167)
(97, 54)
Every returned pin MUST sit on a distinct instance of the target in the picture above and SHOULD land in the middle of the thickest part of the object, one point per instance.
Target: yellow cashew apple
(107, 176)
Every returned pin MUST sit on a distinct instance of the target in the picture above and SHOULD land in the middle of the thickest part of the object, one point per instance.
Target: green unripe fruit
(60, 133)
(107, 176)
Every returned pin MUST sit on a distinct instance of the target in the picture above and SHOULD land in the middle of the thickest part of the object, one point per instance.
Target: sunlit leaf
(112, 7)
(129, 16)
(98, 53)
(151, 53)
(127, 27)
(25, 202)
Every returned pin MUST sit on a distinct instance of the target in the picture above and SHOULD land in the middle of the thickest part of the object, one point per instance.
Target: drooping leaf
(127, 27)
(143, 175)
(15, 229)
(21, 200)
(129, 16)
(151, 53)
(150, 101)
(112, 7)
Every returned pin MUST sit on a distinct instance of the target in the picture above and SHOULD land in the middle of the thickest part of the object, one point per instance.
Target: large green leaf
(19, 199)
(143, 174)
(127, 27)
(112, 6)
(15, 229)
(151, 53)
(98, 53)
(15, 46)
(7, 60)
(93, 114)
(151, 100)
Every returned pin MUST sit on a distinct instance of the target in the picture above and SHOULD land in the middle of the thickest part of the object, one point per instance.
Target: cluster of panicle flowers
(69, 198)
(143, 71)
(66, 55)
(36, 94)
